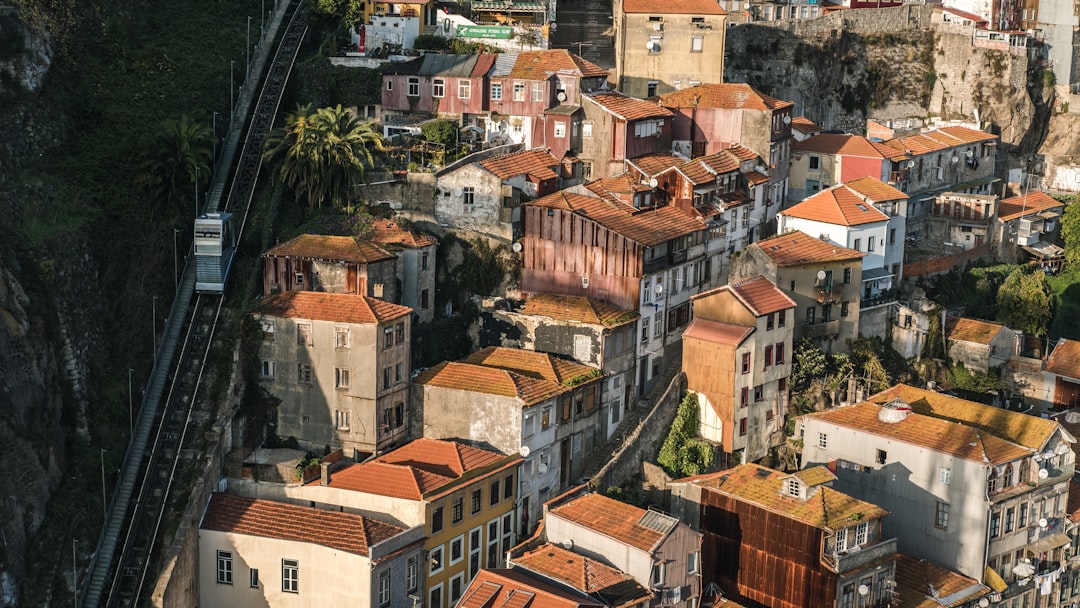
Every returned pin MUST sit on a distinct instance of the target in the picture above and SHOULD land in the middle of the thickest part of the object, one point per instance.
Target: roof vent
(894, 411)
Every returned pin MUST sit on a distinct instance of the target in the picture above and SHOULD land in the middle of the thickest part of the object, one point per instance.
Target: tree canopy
(177, 163)
(1025, 302)
(684, 453)
(1070, 232)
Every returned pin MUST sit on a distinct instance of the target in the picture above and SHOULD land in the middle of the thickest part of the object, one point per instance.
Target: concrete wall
(398, 511)
(675, 63)
(486, 215)
(412, 196)
(964, 72)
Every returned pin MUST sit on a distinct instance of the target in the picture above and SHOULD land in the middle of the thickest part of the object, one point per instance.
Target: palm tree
(322, 154)
(179, 162)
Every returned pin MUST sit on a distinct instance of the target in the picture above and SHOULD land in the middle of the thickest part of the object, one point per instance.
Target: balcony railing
(826, 294)
(850, 561)
(821, 329)
(885, 297)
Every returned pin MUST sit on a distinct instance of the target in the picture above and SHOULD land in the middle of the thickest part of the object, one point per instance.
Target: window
(995, 525)
(779, 353)
(290, 575)
(436, 559)
(693, 562)
(474, 504)
(464, 89)
(538, 91)
(892, 236)
(697, 43)
(793, 487)
(768, 356)
(494, 493)
(744, 398)
(1010, 519)
(659, 573)
(792, 288)
(399, 333)
(399, 373)
(528, 424)
(1008, 476)
(822, 440)
(424, 261)
(341, 420)
(303, 373)
(341, 337)
(389, 85)
(781, 317)
(769, 320)
(742, 427)
(857, 246)
(545, 419)
(759, 393)
(399, 415)
(845, 308)
(560, 129)
(267, 371)
(386, 377)
(847, 276)
(496, 91)
(508, 487)
(586, 129)
(384, 588)
(840, 540)
(341, 377)
(815, 162)
(861, 532)
(414, 87)
(1023, 515)
(388, 337)
(646, 128)
(658, 325)
(253, 578)
(468, 197)
(424, 299)
(810, 315)
(457, 510)
(436, 597)
(299, 279)
(882, 456)
(870, 243)
(436, 520)
(268, 329)
(644, 329)
(455, 587)
(438, 87)
(224, 567)
(411, 572)
(945, 475)
(519, 91)
(303, 334)
(746, 363)
(457, 550)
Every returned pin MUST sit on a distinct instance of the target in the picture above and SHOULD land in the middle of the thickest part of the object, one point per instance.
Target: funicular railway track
(185, 407)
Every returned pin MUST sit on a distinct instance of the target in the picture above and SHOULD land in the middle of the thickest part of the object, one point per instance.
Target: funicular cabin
(215, 246)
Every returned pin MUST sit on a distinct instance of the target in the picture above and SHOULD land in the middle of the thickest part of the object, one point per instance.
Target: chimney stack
(324, 469)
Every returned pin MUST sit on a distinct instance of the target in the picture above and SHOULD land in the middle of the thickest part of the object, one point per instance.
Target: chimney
(324, 470)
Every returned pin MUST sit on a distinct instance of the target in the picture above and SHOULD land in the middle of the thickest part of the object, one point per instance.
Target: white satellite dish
(821, 275)
(524, 451)
(1072, 418)
(652, 45)
(1043, 473)
(517, 247)
(787, 120)
(541, 468)
(459, 192)
(1043, 523)
(983, 603)
(955, 159)
(864, 590)
(653, 183)
(659, 289)
(561, 96)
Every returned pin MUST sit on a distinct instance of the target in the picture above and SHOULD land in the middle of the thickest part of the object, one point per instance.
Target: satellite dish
(864, 590)
(652, 45)
(983, 603)
(658, 289)
(541, 468)
(910, 164)
(1043, 523)
(567, 544)
(1043, 473)
(652, 182)
(746, 6)
(561, 96)
(821, 275)
(517, 249)
(524, 451)
(1072, 418)
(787, 120)
(459, 192)
(955, 159)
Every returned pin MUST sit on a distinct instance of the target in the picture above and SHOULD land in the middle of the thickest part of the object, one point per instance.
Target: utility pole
(131, 416)
(104, 504)
(75, 572)
(232, 101)
(247, 51)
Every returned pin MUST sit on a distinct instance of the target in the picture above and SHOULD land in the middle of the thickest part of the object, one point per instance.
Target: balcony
(827, 295)
(886, 297)
(847, 561)
(665, 261)
(820, 329)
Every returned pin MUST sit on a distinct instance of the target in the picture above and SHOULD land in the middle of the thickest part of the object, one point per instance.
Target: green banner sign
(485, 31)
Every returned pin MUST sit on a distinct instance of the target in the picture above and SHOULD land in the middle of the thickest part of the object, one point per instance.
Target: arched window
(1025, 470)
(992, 481)
(1008, 481)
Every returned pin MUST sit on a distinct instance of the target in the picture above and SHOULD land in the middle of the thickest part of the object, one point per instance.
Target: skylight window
(861, 207)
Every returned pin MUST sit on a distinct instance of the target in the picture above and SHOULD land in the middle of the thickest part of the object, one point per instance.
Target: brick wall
(944, 263)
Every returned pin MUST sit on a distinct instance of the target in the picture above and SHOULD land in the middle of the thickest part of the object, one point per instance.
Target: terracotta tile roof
(617, 520)
(742, 153)
(346, 532)
(648, 227)
(1029, 431)
(760, 295)
(674, 7)
(923, 584)
(797, 248)
(971, 330)
(836, 143)
(1026, 204)
(389, 234)
(656, 163)
(538, 65)
(875, 190)
(517, 589)
(492, 381)
(815, 476)
(754, 178)
(628, 108)
(584, 574)
(962, 14)
(333, 248)
(944, 436)
(337, 307)
(538, 163)
(1065, 359)
(577, 309)
(804, 125)
(416, 469)
(728, 95)
(705, 169)
(717, 332)
(531, 363)
(621, 188)
(838, 205)
(967, 135)
(825, 508)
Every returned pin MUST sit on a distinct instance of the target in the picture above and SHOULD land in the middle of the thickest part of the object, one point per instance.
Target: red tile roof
(517, 589)
(346, 532)
(621, 188)
(971, 330)
(804, 125)
(674, 7)
(923, 584)
(938, 139)
(648, 227)
(532, 363)
(967, 135)
(389, 234)
(480, 379)
(1026, 204)
(617, 520)
(838, 205)
(729, 95)
(844, 144)
(656, 163)
(538, 65)
(538, 163)
(717, 332)
(962, 14)
(628, 108)
(705, 169)
(577, 309)
(797, 248)
(826, 508)
(584, 574)
(1065, 359)
(337, 307)
(415, 470)
(875, 190)
(332, 248)
(760, 295)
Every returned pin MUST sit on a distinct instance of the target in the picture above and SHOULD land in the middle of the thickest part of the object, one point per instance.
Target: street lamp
(153, 322)
(247, 51)
(214, 157)
(196, 191)
(131, 416)
(232, 101)
(104, 504)
(175, 259)
(75, 572)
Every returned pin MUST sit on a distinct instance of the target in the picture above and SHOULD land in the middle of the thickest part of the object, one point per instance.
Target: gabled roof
(649, 227)
(532, 363)
(330, 248)
(517, 589)
(538, 65)
(628, 108)
(838, 205)
(705, 169)
(875, 190)
(1065, 359)
(577, 309)
(923, 584)
(618, 520)
(390, 234)
(537, 163)
(975, 19)
(797, 248)
(415, 470)
(459, 376)
(1026, 204)
(1029, 431)
(804, 125)
(717, 332)
(826, 508)
(620, 188)
(336, 307)
(971, 330)
(936, 140)
(728, 95)
(593, 577)
(845, 144)
(438, 64)
(673, 7)
(656, 163)
(346, 532)
(758, 294)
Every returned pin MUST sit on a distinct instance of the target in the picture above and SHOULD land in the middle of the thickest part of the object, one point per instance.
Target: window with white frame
(412, 570)
(519, 91)
(438, 87)
(457, 550)
(457, 583)
(436, 560)
(384, 588)
(303, 373)
(435, 597)
(646, 128)
(793, 487)
(822, 440)
(659, 574)
(496, 91)
(290, 575)
(861, 532)
(268, 329)
(341, 337)
(946, 475)
(586, 129)
(253, 578)
(468, 197)
(224, 567)
(693, 562)
(341, 377)
(303, 334)
(697, 44)
(267, 370)
(476, 545)
(560, 129)
(414, 87)
(464, 89)
(341, 420)
(840, 540)
(538, 91)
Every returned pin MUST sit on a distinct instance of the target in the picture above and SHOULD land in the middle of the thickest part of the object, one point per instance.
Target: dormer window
(793, 487)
